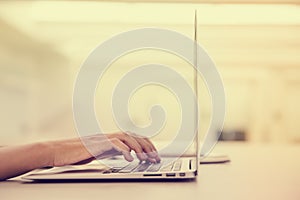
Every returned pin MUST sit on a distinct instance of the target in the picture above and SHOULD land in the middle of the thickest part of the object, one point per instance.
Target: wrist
(44, 154)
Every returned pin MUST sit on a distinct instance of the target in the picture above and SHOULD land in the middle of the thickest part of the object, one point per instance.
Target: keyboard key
(142, 167)
(167, 168)
(177, 166)
(154, 167)
(120, 166)
(130, 167)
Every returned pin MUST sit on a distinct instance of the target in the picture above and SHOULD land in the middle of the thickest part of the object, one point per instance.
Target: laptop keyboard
(147, 167)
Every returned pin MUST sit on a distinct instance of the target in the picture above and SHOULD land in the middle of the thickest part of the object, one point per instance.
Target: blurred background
(254, 43)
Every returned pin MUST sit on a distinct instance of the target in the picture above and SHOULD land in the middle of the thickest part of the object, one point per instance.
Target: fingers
(123, 148)
(143, 147)
(150, 143)
(149, 149)
(133, 144)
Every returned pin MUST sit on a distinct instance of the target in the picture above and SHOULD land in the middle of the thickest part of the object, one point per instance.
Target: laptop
(171, 166)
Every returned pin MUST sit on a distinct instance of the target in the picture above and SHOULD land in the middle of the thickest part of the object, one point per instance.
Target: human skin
(17, 160)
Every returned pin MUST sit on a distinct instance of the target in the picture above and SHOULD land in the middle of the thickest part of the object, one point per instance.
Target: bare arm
(18, 160)
(21, 159)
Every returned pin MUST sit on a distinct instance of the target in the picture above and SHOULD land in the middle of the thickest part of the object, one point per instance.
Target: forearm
(21, 159)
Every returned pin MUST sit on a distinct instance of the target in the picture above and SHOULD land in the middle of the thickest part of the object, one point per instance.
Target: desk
(256, 172)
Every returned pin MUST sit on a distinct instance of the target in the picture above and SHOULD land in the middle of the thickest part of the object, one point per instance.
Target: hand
(143, 147)
(100, 146)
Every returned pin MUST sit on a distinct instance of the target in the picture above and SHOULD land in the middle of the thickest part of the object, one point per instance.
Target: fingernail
(129, 157)
(153, 154)
(158, 159)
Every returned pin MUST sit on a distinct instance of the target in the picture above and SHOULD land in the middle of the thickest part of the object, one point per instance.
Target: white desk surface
(255, 172)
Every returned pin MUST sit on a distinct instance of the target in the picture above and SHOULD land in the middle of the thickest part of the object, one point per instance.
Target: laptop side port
(182, 174)
(153, 175)
(170, 174)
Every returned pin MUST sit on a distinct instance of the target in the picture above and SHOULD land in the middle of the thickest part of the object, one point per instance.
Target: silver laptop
(184, 166)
